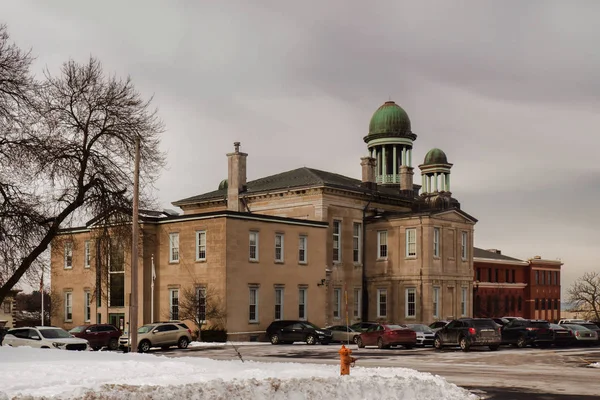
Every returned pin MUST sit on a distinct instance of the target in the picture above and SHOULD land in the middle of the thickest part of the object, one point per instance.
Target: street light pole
(133, 304)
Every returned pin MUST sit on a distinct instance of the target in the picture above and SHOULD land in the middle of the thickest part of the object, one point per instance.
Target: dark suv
(524, 332)
(99, 335)
(297, 331)
(467, 332)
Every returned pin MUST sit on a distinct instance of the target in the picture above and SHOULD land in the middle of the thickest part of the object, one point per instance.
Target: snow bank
(594, 365)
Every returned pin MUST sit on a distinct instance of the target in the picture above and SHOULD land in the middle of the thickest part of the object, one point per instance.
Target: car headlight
(319, 332)
(58, 345)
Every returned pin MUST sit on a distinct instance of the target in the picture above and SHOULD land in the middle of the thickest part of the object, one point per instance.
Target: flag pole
(42, 293)
(133, 303)
(152, 291)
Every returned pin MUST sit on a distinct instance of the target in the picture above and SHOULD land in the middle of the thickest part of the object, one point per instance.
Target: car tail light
(577, 333)
(189, 331)
(472, 331)
(531, 329)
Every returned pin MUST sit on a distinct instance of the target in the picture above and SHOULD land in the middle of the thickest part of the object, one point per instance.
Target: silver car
(425, 334)
(582, 334)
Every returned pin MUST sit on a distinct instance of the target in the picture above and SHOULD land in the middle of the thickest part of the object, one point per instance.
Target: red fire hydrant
(346, 361)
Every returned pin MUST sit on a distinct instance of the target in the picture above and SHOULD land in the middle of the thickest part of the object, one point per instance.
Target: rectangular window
(382, 247)
(411, 242)
(279, 247)
(87, 306)
(253, 305)
(337, 241)
(302, 304)
(542, 274)
(116, 274)
(381, 303)
(537, 304)
(497, 275)
(201, 300)
(549, 278)
(452, 245)
(436, 302)
(279, 303)
(463, 246)
(356, 242)
(411, 302)
(253, 239)
(68, 306)
(173, 247)
(478, 274)
(302, 244)
(68, 255)
(436, 242)
(337, 303)
(514, 276)
(86, 254)
(6, 307)
(174, 304)
(463, 303)
(506, 275)
(357, 303)
(201, 246)
(490, 275)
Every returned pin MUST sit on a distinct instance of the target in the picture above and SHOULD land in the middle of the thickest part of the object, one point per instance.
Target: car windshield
(145, 328)
(592, 327)
(55, 333)
(483, 323)
(577, 327)
(395, 327)
(77, 329)
(556, 326)
(312, 325)
(419, 327)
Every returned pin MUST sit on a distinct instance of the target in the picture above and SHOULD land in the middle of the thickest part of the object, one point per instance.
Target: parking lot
(509, 373)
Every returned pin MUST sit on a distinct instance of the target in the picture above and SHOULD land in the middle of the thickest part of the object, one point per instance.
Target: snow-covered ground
(594, 365)
(27, 372)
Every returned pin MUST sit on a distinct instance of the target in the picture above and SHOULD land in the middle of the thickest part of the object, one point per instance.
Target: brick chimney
(406, 178)
(236, 177)
(368, 172)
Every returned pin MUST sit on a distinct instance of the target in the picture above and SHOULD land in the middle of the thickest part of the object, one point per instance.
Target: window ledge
(436, 257)
(86, 266)
(253, 261)
(412, 317)
(68, 267)
(68, 320)
(254, 322)
(410, 258)
(201, 261)
(451, 258)
(381, 259)
(358, 265)
(279, 262)
(173, 262)
(302, 263)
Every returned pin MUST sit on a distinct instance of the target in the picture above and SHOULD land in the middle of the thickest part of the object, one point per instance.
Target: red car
(99, 335)
(386, 335)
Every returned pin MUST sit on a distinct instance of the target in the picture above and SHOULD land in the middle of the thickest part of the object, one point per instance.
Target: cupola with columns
(390, 142)
(435, 175)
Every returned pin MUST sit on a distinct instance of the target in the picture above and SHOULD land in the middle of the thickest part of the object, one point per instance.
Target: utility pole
(133, 303)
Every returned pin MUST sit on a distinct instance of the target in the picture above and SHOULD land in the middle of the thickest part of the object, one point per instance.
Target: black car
(468, 332)
(562, 335)
(280, 332)
(528, 332)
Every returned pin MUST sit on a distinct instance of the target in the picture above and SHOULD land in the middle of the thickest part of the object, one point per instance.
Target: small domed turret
(223, 185)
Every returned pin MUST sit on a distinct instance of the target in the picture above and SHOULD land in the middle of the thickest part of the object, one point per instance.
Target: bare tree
(203, 306)
(77, 151)
(584, 294)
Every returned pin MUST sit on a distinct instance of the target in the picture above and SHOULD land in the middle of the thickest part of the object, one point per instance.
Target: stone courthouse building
(300, 244)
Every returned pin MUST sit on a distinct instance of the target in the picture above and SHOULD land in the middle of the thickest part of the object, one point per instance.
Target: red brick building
(507, 286)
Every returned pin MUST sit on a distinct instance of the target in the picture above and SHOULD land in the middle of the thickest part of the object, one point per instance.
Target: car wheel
(144, 346)
(113, 344)
(311, 339)
(355, 339)
(275, 339)
(380, 344)
(464, 344)
(360, 343)
(437, 343)
(494, 348)
(522, 342)
(183, 343)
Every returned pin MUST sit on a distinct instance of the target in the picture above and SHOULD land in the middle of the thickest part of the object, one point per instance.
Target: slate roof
(481, 253)
(296, 178)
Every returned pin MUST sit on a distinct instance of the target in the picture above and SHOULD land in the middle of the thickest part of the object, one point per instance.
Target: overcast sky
(510, 90)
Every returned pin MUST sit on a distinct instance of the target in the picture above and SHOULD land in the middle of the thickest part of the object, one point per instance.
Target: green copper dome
(390, 118)
(223, 185)
(435, 156)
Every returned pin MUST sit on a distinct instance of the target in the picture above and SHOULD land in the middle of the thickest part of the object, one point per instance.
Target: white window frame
(436, 242)
(201, 249)
(337, 303)
(411, 239)
(357, 302)
(69, 255)
(463, 302)
(337, 241)
(279, 303)
(407, 312)
(280, 247)
(201, 294)
(463, 245)
(68, 306)
(86, 254)
(382, 246)
(253, 304)
(87, 306)
(174, 247)
(302, 249)
(436, 302)
(253, 237)
(173, 305)
(357, 242)
(302, 303)
(380, 293)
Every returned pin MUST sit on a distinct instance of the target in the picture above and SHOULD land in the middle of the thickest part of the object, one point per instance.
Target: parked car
(98, 335)
(572, 321)
(159, 334)
(425, 335)
(437, 325)
(362, 326)
(44, 337)
(582, 334)
(343, 333)
(3, 331)
(562, 335)
(386, 335)
(469, 332)
(589, 325)
(528, 332)
(289, 331)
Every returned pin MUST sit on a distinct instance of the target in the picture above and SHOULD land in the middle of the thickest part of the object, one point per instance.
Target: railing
(388, 178)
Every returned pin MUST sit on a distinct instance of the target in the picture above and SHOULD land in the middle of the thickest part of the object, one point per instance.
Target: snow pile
(594, 365)
(222, 344)
(26, 373)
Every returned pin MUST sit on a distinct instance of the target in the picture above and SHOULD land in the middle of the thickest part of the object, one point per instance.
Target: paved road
(544, 374)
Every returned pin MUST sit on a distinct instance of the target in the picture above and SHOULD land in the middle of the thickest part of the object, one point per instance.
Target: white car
(44, 337)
